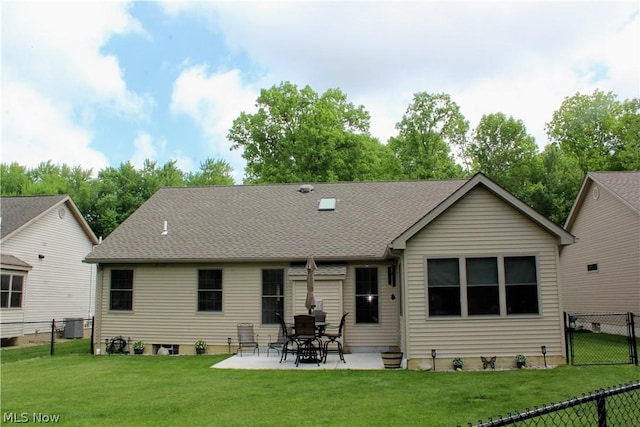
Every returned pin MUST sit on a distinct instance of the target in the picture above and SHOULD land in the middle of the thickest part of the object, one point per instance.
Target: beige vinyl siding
(609, 235)
(165, 306)
(329, 291)
(480, 224)
(60, 285)
(361, 337)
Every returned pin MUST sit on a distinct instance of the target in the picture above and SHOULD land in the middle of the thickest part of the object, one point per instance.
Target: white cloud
(520, 58)
(52, 59)
(143, 150)
(36, 129)
(213, 101)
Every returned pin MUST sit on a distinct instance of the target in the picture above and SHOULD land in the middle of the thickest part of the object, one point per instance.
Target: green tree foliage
(554, 183)
(431, 125)
(212, 172)
(108, 199)
(601, 132)
(299, 136)
(501, 148)
(14, 179)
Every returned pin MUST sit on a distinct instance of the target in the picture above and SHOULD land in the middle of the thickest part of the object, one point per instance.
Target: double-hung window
(367, 295)
(521, 285)
(483, 291)
(209, 290)
(272, 295)
(11, 290)
(121, 297)
(443, 283)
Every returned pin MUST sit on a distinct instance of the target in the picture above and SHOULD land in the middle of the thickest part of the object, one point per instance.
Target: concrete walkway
(366, 361)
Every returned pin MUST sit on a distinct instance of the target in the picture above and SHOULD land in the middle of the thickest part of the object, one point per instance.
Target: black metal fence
(619, 406)
(601, 338)
(54, 330)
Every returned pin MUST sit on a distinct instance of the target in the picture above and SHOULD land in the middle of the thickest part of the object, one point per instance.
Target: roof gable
(625, 186)
(564, 238)
(18, 212)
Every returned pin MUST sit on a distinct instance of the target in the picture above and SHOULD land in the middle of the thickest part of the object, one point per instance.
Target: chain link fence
(618, 406)
(601, 338)
(47, 332)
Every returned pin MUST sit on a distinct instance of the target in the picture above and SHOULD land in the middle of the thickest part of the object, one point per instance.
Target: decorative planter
(200, 350)
(392, 359)
(521, 364)
(138, 350)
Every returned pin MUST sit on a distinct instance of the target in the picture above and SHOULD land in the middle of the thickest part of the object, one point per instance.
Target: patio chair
(278, 344)
(309, 346)
(246, 338)
(335, 338)
(290, 345)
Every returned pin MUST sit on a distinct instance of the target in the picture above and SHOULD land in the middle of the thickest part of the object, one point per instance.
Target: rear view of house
(601, 272)
(43, 242)
(457, 266)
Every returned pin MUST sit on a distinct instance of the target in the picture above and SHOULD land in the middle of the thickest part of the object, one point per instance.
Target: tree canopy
(601, 132)
(298, 135)
(430, 127)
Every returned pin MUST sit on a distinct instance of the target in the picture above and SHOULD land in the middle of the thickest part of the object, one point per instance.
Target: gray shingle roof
(272, 222)
(20, 210)
(625, 185)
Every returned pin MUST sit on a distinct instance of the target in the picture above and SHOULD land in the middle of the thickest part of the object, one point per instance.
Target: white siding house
(44, 240)
(372, 250)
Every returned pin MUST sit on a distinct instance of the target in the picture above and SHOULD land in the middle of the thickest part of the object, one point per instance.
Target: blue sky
(100, 83)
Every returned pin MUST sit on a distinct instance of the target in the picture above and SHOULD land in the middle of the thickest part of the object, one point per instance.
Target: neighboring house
(601, 272)
(43, 241)
(460, 266)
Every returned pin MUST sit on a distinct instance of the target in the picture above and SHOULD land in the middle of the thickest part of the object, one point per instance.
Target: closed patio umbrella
(310, 302)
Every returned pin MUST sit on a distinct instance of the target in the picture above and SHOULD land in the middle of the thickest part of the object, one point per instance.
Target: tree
(300, 136)
(212, 172)
(555, 182)
(601, 132)
(431, 125)
(14, 179)
(502, 149)
(119, 192)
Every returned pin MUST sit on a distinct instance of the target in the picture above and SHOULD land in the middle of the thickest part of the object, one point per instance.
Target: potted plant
(458, 363)
(201, 347)
(521, 360)
(138, 347)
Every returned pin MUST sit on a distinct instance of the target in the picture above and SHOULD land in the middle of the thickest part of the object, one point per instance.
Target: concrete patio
(364, 361)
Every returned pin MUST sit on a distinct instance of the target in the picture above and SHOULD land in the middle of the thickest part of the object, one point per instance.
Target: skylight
(327, 204)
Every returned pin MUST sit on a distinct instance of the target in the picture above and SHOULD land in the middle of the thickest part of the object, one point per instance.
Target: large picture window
(209, 290)
(443, 282)
(521, 285)
(121, 297)
(490, 286)
(272, 296)
(11, 290)
(367, 295)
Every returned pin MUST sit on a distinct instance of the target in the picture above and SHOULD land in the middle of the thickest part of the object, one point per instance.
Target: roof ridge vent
(305, 188)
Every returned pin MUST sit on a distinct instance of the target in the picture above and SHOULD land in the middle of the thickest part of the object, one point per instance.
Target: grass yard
(85, 390)
(590, 348)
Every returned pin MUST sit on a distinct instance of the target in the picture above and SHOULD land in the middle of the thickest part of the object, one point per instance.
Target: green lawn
(590, 348)
(87, 390)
